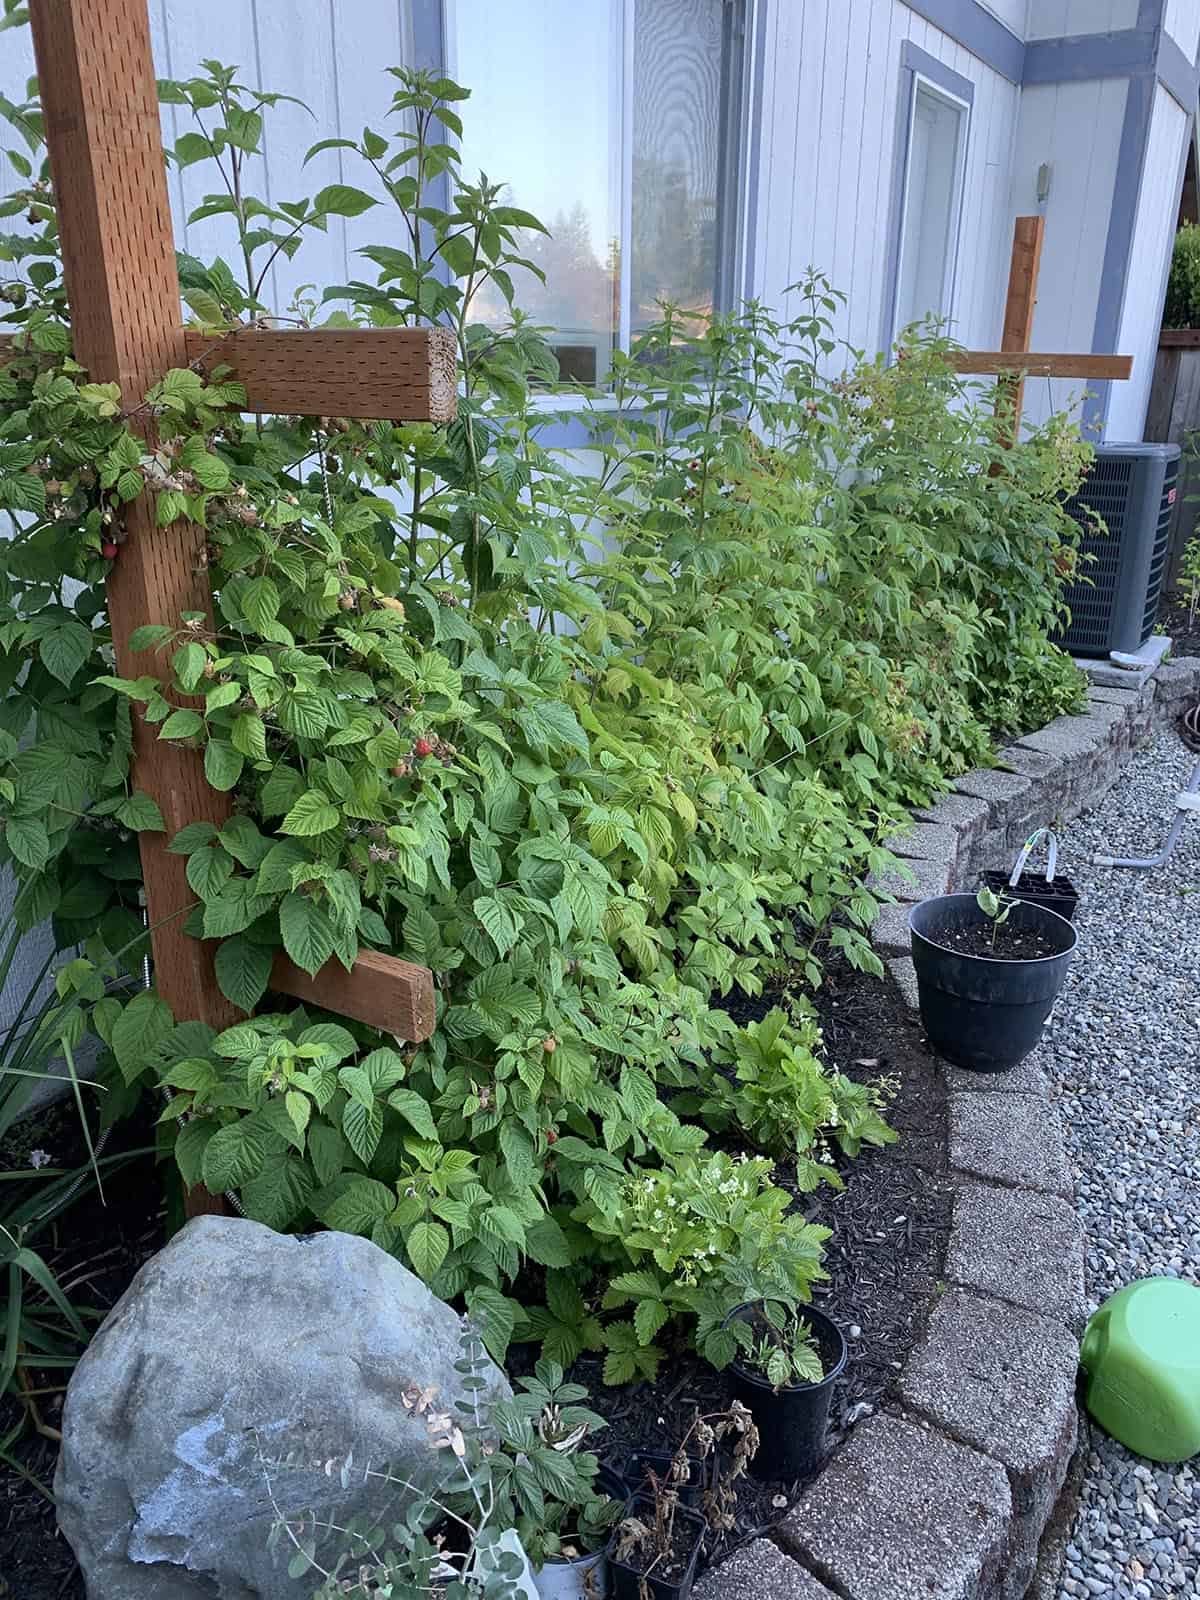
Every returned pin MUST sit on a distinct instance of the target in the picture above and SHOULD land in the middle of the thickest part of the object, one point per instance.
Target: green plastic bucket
(1141, 1359)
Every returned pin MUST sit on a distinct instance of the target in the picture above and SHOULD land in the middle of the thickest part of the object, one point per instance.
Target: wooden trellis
(97, 84)
(1014, 362)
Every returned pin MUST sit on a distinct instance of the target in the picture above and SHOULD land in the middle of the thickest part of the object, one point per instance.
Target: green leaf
(339, 200)
(307, 933)
(64, 649)
(28, 840)
(222, 764)
(363, 1127)
(141, 814)
(234, 1154)
(138, 1031)
(359, 1206)
(648, 1318)
(312, 813)
(191, 838)
(243, 971)
(414, 1108)
(428, 1245)
(208, 871)
(546, 1243)
(181, 725)
(498, 921)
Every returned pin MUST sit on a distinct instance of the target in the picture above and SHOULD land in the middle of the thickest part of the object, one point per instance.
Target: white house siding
(1141, 315)
(1054, 19)
(829, 125)
(1010, 12)
(1076, 129)
(1182, 22)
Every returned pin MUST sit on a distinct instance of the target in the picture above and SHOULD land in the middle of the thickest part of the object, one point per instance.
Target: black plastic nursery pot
(1057, 894)
(625, 1582)
(980, 1012)
(793, 1421)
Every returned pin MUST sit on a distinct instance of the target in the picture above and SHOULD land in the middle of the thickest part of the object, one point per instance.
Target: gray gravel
(1124, 1049)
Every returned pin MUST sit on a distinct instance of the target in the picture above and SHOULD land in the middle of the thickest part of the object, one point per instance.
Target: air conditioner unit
(1133, 487)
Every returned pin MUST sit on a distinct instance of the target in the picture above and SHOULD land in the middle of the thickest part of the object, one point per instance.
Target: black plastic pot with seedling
(785, 1374)
(989, 969)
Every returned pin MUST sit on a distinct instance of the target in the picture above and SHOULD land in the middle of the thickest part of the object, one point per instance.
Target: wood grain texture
(383, 992)
(1036, 364)
(1179, 339)
(1019, 306)
(102, 129)
(397, 374)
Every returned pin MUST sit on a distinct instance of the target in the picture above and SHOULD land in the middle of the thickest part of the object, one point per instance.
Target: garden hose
(1189, 727)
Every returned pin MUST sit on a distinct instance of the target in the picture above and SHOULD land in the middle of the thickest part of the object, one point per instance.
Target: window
(616, 122)
(931, 203)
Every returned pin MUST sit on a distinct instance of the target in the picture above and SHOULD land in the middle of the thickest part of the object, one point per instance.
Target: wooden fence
(1173, 417)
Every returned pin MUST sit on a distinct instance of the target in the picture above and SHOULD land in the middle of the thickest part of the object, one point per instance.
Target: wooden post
(96, 77)
(1028, 233)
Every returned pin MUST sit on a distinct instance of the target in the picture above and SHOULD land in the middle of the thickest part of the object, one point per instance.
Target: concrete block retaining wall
(947, 1494)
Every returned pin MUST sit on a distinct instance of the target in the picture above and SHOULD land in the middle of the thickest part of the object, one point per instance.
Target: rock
(232, 1350)
(761, 1571)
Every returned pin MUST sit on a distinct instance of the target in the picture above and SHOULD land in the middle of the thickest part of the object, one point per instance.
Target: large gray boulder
(236, 1365)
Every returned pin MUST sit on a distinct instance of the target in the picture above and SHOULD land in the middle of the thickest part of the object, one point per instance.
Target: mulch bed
(97, 1251)
(1173, 618)
(890, 1227)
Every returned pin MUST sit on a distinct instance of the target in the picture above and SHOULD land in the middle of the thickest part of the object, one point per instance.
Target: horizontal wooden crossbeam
(393, 374)
(383, 992)
(387, 374)
(1179, 339)
(1033, 364)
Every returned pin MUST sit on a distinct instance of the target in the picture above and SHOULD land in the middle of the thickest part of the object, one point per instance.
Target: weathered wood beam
(396, 374)
(1035, 364)
(1179, 339)
(383, 992)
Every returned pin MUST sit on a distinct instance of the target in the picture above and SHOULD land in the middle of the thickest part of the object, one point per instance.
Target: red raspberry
(423, 747)
(108, 550)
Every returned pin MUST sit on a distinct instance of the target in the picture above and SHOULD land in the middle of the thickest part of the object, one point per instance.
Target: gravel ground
(1124, 1047)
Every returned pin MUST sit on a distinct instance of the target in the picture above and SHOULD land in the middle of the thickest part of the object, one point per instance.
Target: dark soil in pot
(668, 1575)
(1009, 942)
(658, 1462)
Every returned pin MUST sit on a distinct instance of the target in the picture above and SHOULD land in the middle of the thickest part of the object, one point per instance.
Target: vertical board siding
(1076, 128)
(1054, 19)
(1158, 204)
(830, 124)
(1011, 13)
(1182, 22)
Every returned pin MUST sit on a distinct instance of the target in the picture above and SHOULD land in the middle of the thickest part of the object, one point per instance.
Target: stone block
(1014, 1139)
(890, 930)
(1001, 1379)
(1018, 1246)
(1027, 1077)
(1129, 698)
(1035, 764)
(1001, 790)
(904, 1513)
(965, 813)
(904, 974)
(918, 882)
(925, 841)
(760, 1571)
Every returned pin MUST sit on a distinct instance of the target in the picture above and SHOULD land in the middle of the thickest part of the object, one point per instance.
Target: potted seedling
(564, 1531)
(655, 1549)
(784, 1375)
(989, 968)
(1055, 892)
(685, 1472)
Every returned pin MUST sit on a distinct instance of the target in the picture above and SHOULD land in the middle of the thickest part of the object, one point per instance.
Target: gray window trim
(916, 62)
(977, 30)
